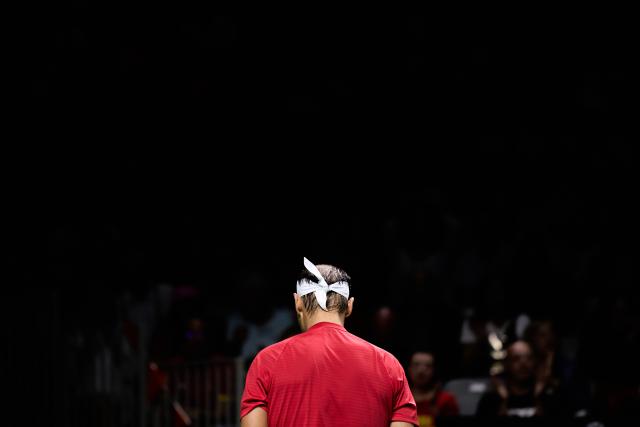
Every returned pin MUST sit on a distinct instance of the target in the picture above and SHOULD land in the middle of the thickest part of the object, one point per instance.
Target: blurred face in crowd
(421, 369)
(519, 364)
(383, 320)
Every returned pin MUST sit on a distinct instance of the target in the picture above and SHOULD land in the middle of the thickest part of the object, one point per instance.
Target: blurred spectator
(157, 382)
(194, 346)
(518, 393)
(484, 333)
(384, 321)
(476, 351)
(541, 337)
(384, 332)
(248, 335)
(257, 323)
(610, 354)
(432, 402)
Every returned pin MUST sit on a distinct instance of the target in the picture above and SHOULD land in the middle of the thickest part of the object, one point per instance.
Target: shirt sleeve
(256, 388)
(404, 405)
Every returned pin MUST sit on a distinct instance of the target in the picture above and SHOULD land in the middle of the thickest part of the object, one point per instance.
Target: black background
(182, 145)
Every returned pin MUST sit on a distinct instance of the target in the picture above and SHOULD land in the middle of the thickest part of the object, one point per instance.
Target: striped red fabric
(327, 376)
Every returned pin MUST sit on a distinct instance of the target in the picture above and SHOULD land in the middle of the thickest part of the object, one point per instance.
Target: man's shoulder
(382, 355)
(273, 351)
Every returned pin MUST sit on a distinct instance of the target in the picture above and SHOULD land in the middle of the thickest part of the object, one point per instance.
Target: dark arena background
(475, 180)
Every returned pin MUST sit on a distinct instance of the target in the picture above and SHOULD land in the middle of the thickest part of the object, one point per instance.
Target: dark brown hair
(331, 275)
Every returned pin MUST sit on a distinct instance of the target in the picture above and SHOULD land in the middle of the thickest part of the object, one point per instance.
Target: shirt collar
(324, 325)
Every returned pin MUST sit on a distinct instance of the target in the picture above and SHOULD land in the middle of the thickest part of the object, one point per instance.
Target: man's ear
(349, 306)
(298, 303)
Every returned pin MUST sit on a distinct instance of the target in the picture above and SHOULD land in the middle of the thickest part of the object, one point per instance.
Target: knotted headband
(321, 288)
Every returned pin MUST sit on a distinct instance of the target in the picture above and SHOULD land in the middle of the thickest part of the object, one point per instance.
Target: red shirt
(328, 377)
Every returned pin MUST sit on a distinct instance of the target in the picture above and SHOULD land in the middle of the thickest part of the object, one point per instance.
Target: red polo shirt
(328, 377)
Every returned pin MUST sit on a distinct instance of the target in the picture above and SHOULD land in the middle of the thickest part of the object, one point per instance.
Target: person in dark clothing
(518, 394)
(432, 401)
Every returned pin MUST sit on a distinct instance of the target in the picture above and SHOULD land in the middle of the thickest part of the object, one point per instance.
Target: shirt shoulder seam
(275, 362)
(380, 357)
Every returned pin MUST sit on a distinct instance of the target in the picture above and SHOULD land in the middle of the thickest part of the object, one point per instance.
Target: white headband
(321, 288)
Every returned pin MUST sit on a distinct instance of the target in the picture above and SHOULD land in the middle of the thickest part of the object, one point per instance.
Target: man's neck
(323, 316)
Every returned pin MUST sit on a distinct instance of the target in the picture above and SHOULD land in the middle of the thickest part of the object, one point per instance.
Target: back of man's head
(335, 301)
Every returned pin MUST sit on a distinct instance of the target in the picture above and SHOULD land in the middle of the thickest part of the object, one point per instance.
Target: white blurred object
(468, 392)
